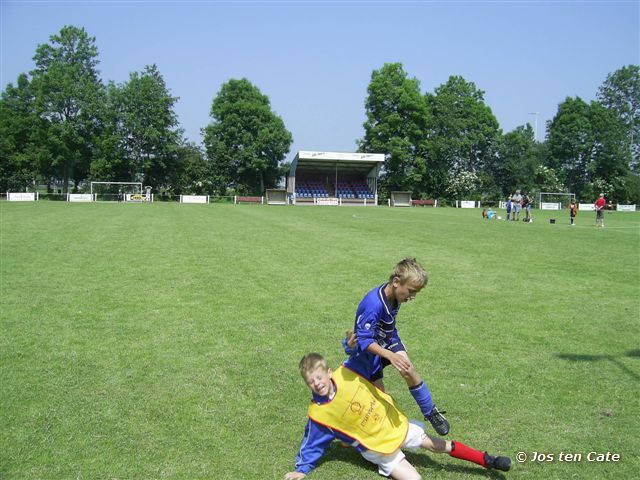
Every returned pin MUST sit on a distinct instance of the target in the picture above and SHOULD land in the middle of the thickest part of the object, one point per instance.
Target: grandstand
(334, 178)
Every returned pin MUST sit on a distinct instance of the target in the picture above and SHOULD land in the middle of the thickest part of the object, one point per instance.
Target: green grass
(162, 341)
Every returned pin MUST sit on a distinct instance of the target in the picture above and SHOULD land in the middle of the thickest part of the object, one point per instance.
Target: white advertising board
(467, 204)
(80, 197)
(328, 201)
(586, 207)
(22, 196)
(194, 199)
(625, 208)
(549, 206)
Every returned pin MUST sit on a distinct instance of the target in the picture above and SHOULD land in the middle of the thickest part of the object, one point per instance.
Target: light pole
(535, 131)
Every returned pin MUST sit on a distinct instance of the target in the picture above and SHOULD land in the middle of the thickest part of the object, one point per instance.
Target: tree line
(448, 144)
(61, 126)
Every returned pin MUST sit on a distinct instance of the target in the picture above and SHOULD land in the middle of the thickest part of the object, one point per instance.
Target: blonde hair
(310, 362)
(410, 269)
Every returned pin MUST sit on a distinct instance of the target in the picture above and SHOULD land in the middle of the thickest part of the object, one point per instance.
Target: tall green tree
(397, 125)
(611, 154)
(570, 139)
(22, 154)
(142, 127)
(110, 159)
(516, 161)
(546, 180)
(587, 145)
(193, 175)
(246, 140)
(465, 132)
(620, 93)
(68, 92)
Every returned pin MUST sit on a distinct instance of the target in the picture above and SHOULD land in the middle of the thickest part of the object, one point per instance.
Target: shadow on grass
(614, 359)
(337, 453)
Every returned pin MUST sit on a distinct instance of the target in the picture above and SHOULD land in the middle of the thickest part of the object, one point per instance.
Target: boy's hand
(401, 362)
(349, 343)
(352, 339)
(294, 476)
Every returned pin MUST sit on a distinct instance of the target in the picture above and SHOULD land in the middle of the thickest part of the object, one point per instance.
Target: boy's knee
(412, 377)
(406, 476)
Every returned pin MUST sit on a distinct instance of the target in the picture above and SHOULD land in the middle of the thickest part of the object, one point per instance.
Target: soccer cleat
(497, 463)
(437, 421)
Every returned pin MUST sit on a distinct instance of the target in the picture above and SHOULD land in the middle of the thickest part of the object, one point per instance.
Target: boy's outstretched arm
(315, 441)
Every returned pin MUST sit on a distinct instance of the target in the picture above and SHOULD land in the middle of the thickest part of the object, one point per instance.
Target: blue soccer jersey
(375, 322)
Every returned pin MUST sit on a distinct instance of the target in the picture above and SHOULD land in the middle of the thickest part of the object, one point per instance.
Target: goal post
(555, 200)
(114, 190)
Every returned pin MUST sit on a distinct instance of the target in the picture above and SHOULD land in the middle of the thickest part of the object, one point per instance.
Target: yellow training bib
(364, 412)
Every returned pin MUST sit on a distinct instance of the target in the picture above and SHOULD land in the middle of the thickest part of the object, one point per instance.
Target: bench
(424, 203)
(249, 200)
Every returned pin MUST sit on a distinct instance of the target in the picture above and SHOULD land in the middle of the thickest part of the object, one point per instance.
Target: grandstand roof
(362, 163)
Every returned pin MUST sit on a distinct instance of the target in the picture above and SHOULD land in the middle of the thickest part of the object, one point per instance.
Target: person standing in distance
(516, 201)
(573, 211)
(599, 205)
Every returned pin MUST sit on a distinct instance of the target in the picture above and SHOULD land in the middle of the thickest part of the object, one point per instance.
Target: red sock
(460, 450)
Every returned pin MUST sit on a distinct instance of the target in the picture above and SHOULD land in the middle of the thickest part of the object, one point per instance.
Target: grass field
(162, 341)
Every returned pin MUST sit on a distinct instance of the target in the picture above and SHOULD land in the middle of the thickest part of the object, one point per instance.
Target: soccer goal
(110, 191)
(555, 200)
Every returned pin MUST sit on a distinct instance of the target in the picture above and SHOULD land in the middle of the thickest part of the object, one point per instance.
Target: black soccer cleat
(497, 463)
(438, 422)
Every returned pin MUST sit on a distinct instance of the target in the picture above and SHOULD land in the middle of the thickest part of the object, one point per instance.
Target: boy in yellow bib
(349, 408)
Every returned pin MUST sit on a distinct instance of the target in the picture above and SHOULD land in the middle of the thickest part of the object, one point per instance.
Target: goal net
(114, 191)
(555, 200)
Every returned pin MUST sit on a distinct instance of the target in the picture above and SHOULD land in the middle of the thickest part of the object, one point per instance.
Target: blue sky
(314, 59)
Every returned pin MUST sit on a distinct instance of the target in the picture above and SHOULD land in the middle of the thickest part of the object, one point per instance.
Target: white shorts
(386, 463)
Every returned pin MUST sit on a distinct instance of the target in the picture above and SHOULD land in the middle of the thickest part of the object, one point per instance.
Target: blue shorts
(370, 366)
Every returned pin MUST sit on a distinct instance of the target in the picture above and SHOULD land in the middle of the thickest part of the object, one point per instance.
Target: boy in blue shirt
(375, 342)
(347, 407)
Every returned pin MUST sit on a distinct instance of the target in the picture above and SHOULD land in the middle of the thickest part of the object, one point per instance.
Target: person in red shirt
(599, 204)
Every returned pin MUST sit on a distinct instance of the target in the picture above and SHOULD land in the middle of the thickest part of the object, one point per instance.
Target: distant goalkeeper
(375, 342)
